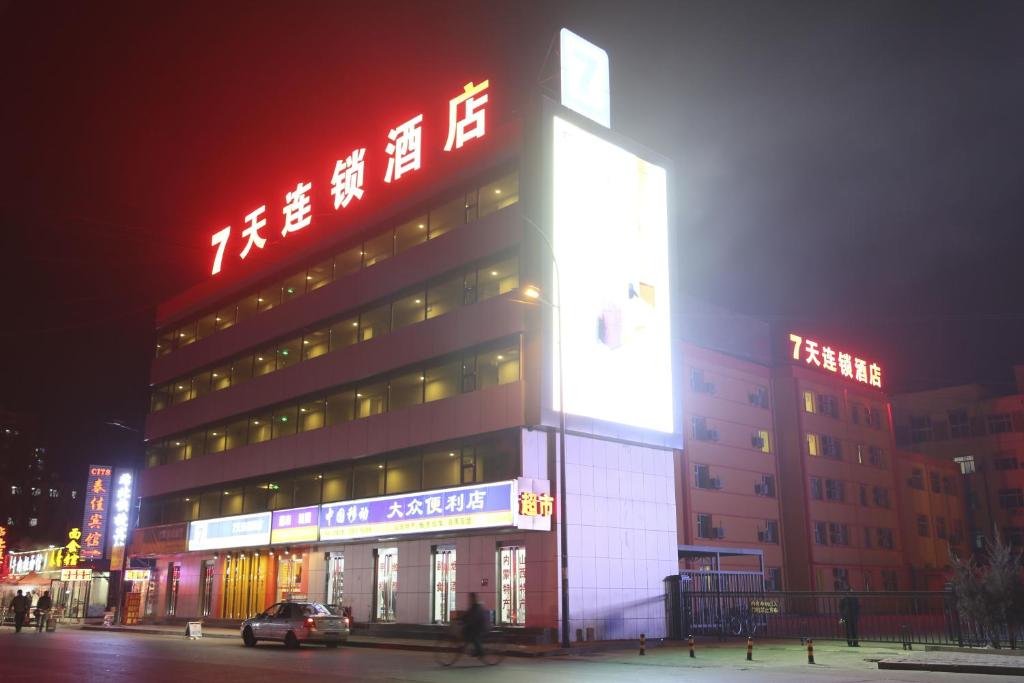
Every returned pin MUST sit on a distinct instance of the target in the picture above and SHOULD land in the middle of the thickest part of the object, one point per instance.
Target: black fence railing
(896, 617)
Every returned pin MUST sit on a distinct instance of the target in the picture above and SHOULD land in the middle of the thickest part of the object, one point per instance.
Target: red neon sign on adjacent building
(820, 355)
(403, 151)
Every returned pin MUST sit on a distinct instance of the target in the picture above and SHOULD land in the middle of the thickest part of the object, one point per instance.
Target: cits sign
(229, 532)
(466, 507)
(295, 525)
(402, 155)
(817, 354)
(97, 511)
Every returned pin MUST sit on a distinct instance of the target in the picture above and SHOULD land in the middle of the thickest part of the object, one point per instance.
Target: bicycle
(451, 646)
(742, 622)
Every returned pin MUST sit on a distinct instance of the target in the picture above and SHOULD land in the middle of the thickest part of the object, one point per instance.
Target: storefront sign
(35, 561)
(764, 606)
(160, 540)
(402, 155)
(466, 507)
(3, 546)
(585, 78)
(535, 505)
(122, 514)
(76, 575)
(819, 355)
(97, 509)
(72, 549)
(295, 525)
(230, 532)
(136, 575)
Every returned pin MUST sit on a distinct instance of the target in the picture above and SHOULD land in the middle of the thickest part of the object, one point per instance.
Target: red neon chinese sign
(97, 508)
(819, 355)
(403, 152)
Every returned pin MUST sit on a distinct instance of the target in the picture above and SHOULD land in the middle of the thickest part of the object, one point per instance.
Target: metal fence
(905, 617)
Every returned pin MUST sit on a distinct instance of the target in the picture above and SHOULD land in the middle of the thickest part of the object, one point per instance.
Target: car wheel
(290, 641)
(248, 638)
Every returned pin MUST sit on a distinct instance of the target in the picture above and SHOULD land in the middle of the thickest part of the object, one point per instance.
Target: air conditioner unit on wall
(718, 532)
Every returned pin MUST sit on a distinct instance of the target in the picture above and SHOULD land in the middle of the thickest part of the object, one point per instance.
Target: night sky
(854, 167)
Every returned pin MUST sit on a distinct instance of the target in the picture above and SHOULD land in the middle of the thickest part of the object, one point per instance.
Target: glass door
(444, 584)
(245, 585)
(335, 579)
(173, 581)
(387, 584)
(512, 574)
(206, 587)
(289, 577)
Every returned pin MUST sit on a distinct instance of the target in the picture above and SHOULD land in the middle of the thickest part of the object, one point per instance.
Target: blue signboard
(230, 532)
(466, 507)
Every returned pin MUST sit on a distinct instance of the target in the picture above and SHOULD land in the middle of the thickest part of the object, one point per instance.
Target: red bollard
(643, 644)
(750, 648)
(691, 647)
(810, 651)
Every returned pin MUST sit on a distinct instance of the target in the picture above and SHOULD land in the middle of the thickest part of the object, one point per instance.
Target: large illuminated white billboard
(610, 230)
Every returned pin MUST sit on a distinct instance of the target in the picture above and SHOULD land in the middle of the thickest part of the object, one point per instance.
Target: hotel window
(813, 445)
(201, 384)
(268, 297)
(348, 261)
(809, 405)
(231, 503)
(371, 399)
(770, 533)
(165, 343)
(181, 391)
(186, 334)
(766, 487)
(999, 424)
(922, 525)
(890, 580)
(920, 428)
(828, 405)
(498, 278)
(293, 286)
(705, 529)
(247, 307)
(312, 414)
(375, 322)
(320, 274)
(451, 215)
(758, 397)
(442, 380)
(282, 494)
(701, 431)
(761, 441)
(209, 504)
(838, 534)
(863, 495)
(936, 482)
(966, 463)
(958, 532)
(215, 439)
(445, 295)
(959, 424)
(220, 378)
(344, 333)
(702, 478)
(260, 427)
(949, 486)
(266, 361)
(442, 468)
(817, 490)
(289, 353)
(867, 537)
(410, 234)
(881, 496)
(286, 420)
(341, 406)
(830, 447)
(316, 343)
(409, 310)
(159, 399)
(698, 384)
(512, 578)
(308, 489)
(500, 366)
(820, 533)
(1011, 499)
(773, 579)
(499, 194)
(406, 390)
(1005, 463)
(916, 480)
(840, 578)
(876, 456)
(242, 369)
(855, 411)
(368, 479)
(403, 474)
(940, 527)
(54, 493)
(337, 484)
(379, 248)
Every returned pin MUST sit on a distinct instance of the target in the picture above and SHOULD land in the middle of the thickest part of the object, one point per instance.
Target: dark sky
(856, 167)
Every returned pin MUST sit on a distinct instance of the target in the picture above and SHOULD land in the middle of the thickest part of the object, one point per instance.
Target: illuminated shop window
(378, 249)
(316, 343)
(409, 310)
(410, 234)
(443, 584)
(386, 590)
(512, 580)
(499, 194)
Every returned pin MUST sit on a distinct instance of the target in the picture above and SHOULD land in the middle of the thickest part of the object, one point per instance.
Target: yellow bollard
(691, 647)
(643, 644)
(750, 648)
(810, 651)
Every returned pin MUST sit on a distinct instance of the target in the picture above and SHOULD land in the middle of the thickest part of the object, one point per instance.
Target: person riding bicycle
(474, 625)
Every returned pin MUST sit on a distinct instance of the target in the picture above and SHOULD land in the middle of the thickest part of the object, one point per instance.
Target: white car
(294, 623)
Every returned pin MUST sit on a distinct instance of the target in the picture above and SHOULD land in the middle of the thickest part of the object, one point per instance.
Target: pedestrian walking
(19, 605)
(43, 608)
(849, 610)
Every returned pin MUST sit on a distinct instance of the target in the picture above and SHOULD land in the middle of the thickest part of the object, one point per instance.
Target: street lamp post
(563, 529)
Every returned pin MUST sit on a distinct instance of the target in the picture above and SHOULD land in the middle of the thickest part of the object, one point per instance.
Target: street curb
(991, 669)
(153, 632)
(1005, 652)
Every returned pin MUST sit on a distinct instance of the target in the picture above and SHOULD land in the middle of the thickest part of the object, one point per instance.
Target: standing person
(43, 611)
(474, 624)
(849, 609)
(20, 604)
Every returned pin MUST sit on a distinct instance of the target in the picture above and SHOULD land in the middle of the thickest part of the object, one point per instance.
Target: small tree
(990, 598)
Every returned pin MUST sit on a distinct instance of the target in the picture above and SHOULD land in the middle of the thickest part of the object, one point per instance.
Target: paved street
(72, 655)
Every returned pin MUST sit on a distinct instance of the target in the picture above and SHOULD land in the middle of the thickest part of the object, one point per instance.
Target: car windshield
(315, 609)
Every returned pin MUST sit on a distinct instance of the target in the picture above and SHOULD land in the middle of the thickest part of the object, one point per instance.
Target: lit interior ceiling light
(422, 226)
(494, 273)
(497, 192)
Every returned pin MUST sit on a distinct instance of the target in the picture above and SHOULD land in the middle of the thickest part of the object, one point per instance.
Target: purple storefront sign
(295, 525)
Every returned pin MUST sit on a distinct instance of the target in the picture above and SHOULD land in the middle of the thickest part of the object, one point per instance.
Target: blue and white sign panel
(466, 507)
(230, 532)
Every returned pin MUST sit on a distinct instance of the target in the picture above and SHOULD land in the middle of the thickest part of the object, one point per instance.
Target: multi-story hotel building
(367, 419)
(981, 432)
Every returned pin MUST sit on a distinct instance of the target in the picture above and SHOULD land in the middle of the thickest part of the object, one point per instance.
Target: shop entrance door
(245, 585)
(335, 579)
(512, 576)
(387, 584)
(289, 577)
(444, 583)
